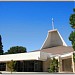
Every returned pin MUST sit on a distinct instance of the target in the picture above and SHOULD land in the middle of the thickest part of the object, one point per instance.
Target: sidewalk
(21, 73)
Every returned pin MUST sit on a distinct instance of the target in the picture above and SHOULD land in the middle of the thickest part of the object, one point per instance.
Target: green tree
(16, 49)
(1, 46)
(72, 19)
(10, 66)
(72, 34)
(72, 39)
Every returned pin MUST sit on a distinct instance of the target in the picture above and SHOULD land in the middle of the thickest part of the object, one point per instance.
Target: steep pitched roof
(55, 44)
(53, 39)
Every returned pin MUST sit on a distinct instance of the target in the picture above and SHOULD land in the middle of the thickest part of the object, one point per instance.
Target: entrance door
(67, 65)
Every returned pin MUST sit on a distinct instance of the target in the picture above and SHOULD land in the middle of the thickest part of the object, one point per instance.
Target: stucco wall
(46, 65)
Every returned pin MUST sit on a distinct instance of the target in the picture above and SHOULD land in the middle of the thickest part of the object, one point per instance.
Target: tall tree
(72, 39)
(72, 19)
(16, 49)
(72, 34)
(1, 46)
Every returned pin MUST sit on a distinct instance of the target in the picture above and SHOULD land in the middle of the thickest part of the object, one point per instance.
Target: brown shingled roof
(58, 50)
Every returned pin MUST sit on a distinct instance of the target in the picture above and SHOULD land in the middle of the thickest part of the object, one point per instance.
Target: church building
(39, 60)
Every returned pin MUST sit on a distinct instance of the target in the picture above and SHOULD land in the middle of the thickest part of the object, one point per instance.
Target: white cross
(52, 23)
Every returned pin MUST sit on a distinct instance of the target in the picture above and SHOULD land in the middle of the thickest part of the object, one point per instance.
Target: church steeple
(53, 38)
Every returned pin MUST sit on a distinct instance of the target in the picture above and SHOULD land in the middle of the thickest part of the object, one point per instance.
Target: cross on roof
(52, 23)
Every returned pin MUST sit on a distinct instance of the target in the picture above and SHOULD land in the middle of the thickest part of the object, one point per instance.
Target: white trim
(64, 56)
(26, 56)
(20, 56)
(64, 44)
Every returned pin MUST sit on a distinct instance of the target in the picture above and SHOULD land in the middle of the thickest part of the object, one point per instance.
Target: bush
(53, 65)
(0, 72)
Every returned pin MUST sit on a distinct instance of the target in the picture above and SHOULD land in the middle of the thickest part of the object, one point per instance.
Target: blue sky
(27, 23)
